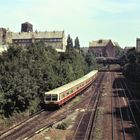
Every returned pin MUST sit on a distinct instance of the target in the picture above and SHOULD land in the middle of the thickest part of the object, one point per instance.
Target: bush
(62, 126)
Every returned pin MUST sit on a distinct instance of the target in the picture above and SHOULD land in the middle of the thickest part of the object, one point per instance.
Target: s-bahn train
(59, 96)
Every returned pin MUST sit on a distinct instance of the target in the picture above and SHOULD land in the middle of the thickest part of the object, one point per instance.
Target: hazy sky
(118, 20)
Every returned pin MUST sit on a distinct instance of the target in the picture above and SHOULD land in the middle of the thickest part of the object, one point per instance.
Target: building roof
(27, 23)
(46, 34)
(3, 28)
(116, 44)
(99, 43)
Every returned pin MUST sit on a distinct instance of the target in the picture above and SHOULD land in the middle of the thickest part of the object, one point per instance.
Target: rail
(130, 94)
(112, 108)
(131, 111)
(93, 100)
(24, 131)
(21, 123)
(121, 116)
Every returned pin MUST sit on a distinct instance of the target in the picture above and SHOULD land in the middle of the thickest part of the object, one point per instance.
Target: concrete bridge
(109, 60)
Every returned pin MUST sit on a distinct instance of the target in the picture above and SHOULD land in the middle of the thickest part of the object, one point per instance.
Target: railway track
(18, 131)
(11, 129)
(85, 127)
(112, 107)
(39, 123)
(123, 118)
(117, 130)
(119, 124)
(124, 124)
(128, 96)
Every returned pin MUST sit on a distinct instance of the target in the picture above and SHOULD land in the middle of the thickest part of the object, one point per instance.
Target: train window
(48, 97)
(54, 97)
(71, 91)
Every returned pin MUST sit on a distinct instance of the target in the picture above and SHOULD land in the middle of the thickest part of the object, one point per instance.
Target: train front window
(48, 97)
(54, 97)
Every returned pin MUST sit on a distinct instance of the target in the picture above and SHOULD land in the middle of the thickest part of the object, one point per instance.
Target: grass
(99, 118)
(76, 101)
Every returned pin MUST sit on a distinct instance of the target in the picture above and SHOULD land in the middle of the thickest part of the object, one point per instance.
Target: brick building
(102, 48)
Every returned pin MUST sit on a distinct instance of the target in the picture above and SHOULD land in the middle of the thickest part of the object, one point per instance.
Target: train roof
(71, 84)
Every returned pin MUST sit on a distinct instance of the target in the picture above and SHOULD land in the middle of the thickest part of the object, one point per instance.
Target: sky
(118, 20)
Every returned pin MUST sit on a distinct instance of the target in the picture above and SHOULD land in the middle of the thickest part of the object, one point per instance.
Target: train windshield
(54, 97)
(48, 97)
(51, 97)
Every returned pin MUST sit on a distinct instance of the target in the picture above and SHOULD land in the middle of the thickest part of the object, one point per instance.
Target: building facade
(102, 48)
(54, 39)
(26, 27)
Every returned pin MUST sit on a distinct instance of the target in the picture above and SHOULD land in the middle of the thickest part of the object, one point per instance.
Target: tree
(131, 57)
(27, 73)
(90, 59)
(130, 68)
(118, 52)
(77, 43)
(69, 43)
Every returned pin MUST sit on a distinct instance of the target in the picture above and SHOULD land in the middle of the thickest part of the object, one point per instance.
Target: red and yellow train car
(61, 95)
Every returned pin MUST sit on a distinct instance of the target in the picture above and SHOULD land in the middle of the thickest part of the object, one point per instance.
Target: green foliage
(34, 106)
(90, 59)
(69, 43)
(2, 103)
(132, 67)
(62, 126)
(77, 43)
(118, 52)
(72, 65)
(26, 73)
(130, 70)
(131, 57)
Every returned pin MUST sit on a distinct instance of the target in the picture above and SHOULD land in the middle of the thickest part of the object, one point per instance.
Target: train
(59, 96)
